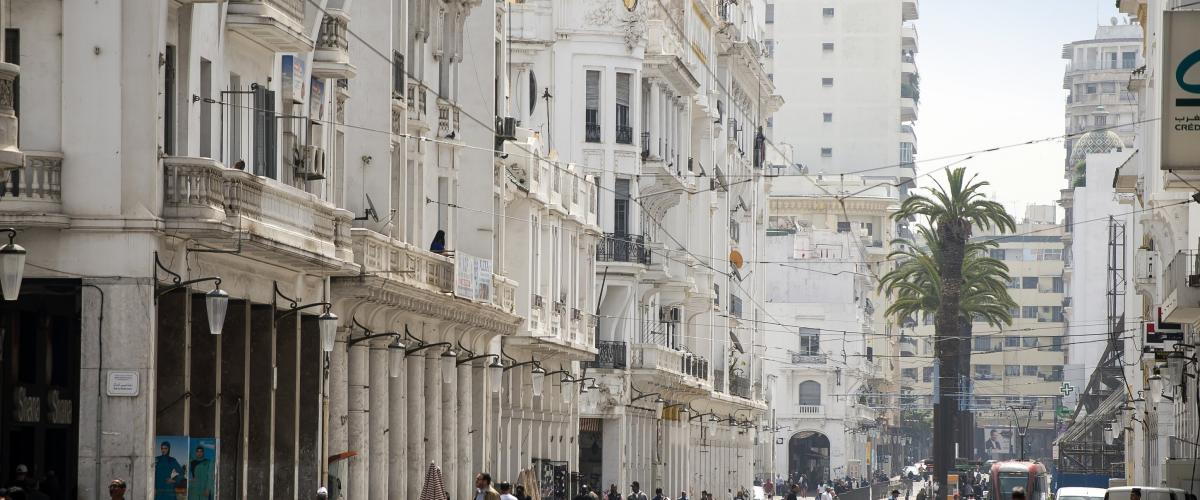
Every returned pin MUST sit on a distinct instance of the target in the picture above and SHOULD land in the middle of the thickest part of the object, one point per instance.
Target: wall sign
(1181, 91)
(122, 383)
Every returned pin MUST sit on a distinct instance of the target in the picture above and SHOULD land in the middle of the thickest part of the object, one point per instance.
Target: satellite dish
(735, 258)
(370, 212)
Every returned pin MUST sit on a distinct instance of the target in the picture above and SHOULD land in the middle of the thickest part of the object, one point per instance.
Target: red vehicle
(1010, 474)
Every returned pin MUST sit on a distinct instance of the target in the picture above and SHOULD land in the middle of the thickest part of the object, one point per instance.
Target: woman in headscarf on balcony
(439, 243)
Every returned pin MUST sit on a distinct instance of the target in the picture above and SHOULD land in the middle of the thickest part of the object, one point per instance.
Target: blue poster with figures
(202, 469)
(170, 473)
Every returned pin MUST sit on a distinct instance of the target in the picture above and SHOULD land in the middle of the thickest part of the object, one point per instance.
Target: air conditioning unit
(506, 128)
(313, 166)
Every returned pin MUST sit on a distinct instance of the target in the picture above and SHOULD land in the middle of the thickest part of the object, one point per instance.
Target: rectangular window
(983, 372)
(265, 136)
(827, 12)
(1091, 88)
(826, 152)
(769, 48)
(827, 82)
(1012, 341)
(591, 107)
(1108, 87)
(1012, 370)
(169, 101)
(1029, 370)
(624, 130)
(827, 117)
(1029, 282)
(770, 14)
(205, 109)
(1056, 284)
(982, 344)
(1014, 282)
(1029, 312)
(827, 46)
(810, 341)
(927, 374)
(909, 373)
(12, 55)
(1015, 312)
(621, 208)
(397, 75)
(1128, 60)
(843, 227)
(996, 253)
(1029, 341)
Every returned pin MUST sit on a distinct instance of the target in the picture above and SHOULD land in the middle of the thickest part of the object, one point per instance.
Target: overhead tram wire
(557, 164)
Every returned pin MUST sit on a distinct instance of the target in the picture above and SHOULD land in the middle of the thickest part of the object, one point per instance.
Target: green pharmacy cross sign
(1066, 389)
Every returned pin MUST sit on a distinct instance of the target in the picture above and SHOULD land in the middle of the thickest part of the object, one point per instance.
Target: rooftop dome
(1096, 141)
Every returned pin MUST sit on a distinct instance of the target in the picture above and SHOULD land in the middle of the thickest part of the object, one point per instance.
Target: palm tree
(952, 278)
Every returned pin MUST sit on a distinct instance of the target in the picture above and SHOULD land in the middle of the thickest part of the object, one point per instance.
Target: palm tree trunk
(966, 419)
(953, 237)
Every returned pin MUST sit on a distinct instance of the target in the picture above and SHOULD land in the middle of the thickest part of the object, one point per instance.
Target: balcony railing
(696, 366)
(35, 187)
(333, 34)
(799, 358)
(645, 145)
(624, 134)
(611, 355)
(739, 386)
(592, 132)
(623, 248)
(418, 101)
(810, 409)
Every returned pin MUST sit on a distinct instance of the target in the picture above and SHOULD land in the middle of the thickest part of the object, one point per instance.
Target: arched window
(810, 393)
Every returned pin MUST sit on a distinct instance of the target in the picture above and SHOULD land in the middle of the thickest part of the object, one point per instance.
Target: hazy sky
(991, 75)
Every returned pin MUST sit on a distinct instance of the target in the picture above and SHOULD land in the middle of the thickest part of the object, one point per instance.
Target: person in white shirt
(505, 491)
(827, 494)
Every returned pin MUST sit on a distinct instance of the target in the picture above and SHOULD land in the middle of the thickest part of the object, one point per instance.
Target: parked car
(1148, 493)
(1078, 493)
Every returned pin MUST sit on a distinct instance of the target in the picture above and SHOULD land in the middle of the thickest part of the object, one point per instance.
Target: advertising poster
(997, 444)
(202, 469)
(170, 471)
(316, 98)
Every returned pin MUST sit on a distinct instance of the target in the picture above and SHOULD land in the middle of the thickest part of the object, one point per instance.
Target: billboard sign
(472, 277)
(1181, 90)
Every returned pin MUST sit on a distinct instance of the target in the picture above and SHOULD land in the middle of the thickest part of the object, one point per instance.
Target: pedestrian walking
(484, 489)
(116, 489)
(505, 491)
(637, 494)
(519, 492)
(658, 495)
(682, 496)
(794, 493)
(613, 494)
(803, 483)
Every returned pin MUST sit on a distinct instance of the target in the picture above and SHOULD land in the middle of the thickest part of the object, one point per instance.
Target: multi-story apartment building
(852, 94)
(827, 384)
(1096, 81)
(1016, 371)
(851, 105)
(260, 239)
(1147, 408)
(660, 102)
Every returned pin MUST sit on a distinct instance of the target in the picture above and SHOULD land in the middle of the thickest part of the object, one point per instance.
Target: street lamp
(216, 302)
(12, 266)
(448, 357)
(395, 348)
(326, 322)
(563, 382)
(449, 364)
(495, 372)
(538, 377)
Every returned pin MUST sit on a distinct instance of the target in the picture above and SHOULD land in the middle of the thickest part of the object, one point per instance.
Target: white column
(357, 416)
(398, 433)
(465, 432)
(338, 385)
(378, 418)
(416, 425)
(655, 125)
(433, 407)
(449, 429)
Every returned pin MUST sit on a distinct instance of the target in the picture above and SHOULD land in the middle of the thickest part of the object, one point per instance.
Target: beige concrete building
(1015, 366)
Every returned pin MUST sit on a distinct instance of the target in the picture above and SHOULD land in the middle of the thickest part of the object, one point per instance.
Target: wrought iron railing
(624, 134)
(623, 248)
(696, 366)
(592, 132)
(804, 358)
(739, 386)
(612, 355)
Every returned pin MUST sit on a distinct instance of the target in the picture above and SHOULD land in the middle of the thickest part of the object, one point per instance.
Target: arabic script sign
(1181, 91)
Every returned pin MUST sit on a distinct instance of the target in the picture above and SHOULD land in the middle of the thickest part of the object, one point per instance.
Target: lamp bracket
(293, 307)
(473, 358)
(426, 346)
(177, 281)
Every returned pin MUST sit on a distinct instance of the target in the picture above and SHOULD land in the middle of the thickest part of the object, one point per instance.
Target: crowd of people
(636, 493)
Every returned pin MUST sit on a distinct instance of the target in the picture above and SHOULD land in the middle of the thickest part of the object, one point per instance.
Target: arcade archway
(808, 454)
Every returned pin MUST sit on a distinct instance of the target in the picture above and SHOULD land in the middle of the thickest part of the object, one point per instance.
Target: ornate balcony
(276, 24)
(628, 248)
(10, 155)
(261, 217)
(418, 107)
(332, 57)
(32, 195)
(611, 355)
(663, 368)
(449, 119)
